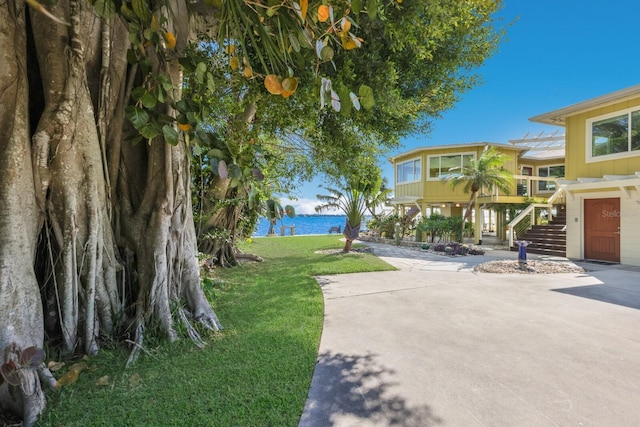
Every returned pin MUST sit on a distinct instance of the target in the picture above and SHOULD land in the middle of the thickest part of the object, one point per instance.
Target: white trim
(526, 165)
(439, 178)
(413, 159)
(589, 157)
(425, 149)
(550, 178)
(558, 117)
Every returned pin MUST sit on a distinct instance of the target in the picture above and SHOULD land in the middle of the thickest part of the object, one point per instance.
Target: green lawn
(254, 373)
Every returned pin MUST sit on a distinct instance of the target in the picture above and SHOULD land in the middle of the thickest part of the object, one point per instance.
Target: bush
(455, 248)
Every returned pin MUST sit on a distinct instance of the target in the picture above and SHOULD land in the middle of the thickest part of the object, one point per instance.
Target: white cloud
(306, 206)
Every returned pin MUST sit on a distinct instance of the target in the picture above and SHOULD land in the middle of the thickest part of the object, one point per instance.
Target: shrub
(454, 248)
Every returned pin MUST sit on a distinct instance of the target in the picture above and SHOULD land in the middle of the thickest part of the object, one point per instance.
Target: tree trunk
(217, 235)
(103, 228)
(468, 211)
(21, 318)
(351, 232)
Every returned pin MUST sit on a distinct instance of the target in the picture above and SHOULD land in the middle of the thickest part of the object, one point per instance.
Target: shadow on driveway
(359, 393)
(618, 287)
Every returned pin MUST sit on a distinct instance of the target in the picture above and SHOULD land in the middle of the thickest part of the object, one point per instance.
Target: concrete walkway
(436, 344)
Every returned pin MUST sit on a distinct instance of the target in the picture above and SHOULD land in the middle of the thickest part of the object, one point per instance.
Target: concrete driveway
(445, 346)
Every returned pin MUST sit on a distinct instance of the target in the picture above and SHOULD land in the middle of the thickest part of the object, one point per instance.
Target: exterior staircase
(548, 239)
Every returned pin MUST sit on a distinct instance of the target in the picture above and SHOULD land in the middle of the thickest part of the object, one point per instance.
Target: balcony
(525, 187)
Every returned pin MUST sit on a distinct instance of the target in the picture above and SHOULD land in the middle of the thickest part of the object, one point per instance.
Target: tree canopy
(97, 235)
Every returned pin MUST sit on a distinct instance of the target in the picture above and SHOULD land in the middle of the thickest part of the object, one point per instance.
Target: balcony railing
(529, 186)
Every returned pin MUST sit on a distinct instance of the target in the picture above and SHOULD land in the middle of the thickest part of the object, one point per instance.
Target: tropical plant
(97, 235)
(274, 212)
(484, 172)
(352, 202)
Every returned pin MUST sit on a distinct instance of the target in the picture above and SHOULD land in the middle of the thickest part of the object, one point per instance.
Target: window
(616, 134)
(442, 165)
(552, 171)
(408, 171)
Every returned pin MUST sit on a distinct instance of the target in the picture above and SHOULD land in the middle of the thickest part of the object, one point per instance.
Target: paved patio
(436, 344)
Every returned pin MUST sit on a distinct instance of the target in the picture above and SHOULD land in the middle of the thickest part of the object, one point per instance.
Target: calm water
(305, 224)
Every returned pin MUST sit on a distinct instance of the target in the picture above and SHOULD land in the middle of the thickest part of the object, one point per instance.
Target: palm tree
(486, 171)
(378, 197)
(352, 202)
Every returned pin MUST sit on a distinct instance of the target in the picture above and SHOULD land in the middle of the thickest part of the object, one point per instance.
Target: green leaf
(234, 171)
(211, 84)
(137, 93)
(137, 116)
(326, 53)
(214, 163)
(145, 66)
(149, 131)
(165, 81)
(170, 135)
(372, 9)
(160, 94)
(134, 38)
(290, 211)
(345, 101)
(132, 56)
(148, 33)
(216, 153)
(295, 44)
(182, 106)
(148, 100)
(201, 70)
(366, 97)
(356, 6)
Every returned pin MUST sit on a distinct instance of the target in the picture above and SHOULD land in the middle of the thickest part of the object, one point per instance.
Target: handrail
(559, 192)
(528, 212)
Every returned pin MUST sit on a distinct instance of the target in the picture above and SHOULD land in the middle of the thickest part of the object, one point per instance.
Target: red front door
(602, 229)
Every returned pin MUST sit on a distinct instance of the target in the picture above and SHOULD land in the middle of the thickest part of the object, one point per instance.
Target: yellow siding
(576, 165)
(411, 189)
(437, 192)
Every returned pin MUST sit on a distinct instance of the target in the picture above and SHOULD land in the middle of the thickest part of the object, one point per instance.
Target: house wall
(576, 165)
(439, 191)
(629, 225)
(536, 164)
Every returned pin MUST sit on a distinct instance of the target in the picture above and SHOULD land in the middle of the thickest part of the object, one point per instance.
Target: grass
(256, 372)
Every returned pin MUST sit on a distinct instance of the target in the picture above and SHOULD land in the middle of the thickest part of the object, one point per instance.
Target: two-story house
(419, 185)
(602, 176)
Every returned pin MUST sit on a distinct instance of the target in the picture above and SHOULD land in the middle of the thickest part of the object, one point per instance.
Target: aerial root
(193, 334)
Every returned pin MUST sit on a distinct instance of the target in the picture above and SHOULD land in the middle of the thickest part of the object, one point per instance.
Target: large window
(448, 164)
(552, 171)
(408, 171)
(616, 134)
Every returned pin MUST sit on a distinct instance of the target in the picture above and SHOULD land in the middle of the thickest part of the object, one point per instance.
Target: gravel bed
(532, 267)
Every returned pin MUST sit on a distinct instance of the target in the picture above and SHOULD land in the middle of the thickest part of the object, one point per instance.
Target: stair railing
(523, 222)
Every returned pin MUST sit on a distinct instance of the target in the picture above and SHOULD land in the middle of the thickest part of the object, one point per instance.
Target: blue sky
(556, 53)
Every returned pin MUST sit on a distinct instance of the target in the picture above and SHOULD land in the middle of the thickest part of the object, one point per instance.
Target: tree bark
(103, 228)
(21, 318)
(351, 232)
